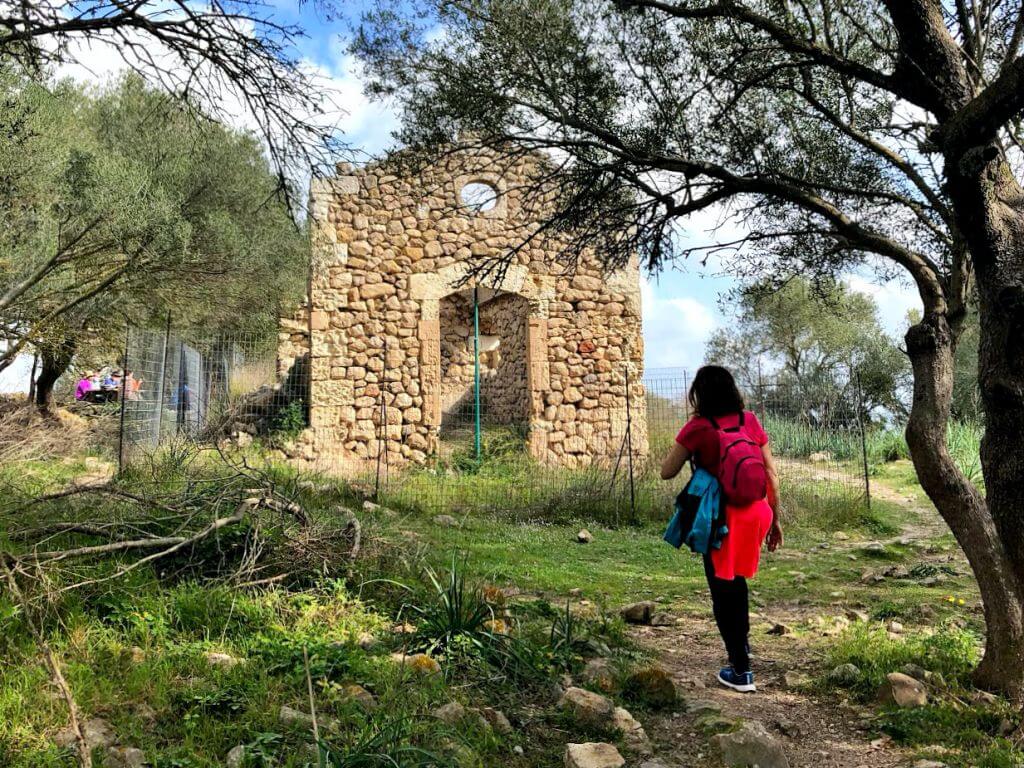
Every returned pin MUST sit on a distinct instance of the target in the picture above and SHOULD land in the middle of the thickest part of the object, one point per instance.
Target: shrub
(454, 609)
(290, 420)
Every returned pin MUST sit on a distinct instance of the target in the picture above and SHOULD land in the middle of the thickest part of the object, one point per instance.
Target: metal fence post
(863, 440)
(760, 388)
(629, 447)
(124, 382)
(163, 375)
(382, 431)
(686, 396)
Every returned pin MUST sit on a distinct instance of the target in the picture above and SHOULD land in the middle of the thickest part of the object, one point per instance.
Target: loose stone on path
(638, 613)
(750, 745)
(593, 755)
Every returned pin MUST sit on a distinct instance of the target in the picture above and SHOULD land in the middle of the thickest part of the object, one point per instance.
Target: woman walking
(720, 431)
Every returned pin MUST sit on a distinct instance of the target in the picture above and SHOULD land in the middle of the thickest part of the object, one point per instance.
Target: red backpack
(741, 470)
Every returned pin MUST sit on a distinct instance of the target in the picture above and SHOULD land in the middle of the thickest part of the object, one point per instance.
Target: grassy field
(141, 651)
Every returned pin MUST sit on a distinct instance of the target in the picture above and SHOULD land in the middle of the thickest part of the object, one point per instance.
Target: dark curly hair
(714, 393)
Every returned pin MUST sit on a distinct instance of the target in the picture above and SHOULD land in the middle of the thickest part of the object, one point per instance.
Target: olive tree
(123, 205)
(833, 133)
(234, 59)
(824, 342)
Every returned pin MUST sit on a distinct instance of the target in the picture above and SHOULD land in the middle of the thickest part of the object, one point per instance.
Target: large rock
(291, 716)
(902, 691)
(97, 732)
(599, 673)
(751, 745)
(451, 713)
(845, 675)
(593, 755)
(587, 708)
(360, 697)
(222, 660)
(633, 733)
(652, 685)
(638, 613)
(497, 720)
(236, 757)
(125, 757)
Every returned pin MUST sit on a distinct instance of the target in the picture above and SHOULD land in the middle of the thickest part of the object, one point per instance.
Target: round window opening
(479, 197)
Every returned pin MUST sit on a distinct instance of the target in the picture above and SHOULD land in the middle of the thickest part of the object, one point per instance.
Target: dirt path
(815, 731)
(820, 731)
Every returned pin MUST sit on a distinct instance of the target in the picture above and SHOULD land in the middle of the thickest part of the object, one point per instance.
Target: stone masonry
(395, 259)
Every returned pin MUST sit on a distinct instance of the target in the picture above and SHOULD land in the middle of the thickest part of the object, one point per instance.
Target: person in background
(84, 387)
(132, 386)
(108, 380)
(719, 411)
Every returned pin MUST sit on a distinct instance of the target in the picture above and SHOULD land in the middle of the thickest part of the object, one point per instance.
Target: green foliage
(382, 743)
(950, 651)
(793, 437)
(962, 727)
(454, 610)
(963, 440)
(126, 202)
(290, 420)
(817, 332)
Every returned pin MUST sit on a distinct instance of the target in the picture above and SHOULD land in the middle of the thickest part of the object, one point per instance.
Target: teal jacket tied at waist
(699, 519)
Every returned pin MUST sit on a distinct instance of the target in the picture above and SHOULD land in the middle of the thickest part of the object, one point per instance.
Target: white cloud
(676, 328)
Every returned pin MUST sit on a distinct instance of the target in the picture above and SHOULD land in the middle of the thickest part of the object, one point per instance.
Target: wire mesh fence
(182, 387)
(187, 386)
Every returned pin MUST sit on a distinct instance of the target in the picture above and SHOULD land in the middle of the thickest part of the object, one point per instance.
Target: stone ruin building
(387, 331)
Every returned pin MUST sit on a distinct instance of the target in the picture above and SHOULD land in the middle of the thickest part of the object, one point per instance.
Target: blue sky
(681, 305)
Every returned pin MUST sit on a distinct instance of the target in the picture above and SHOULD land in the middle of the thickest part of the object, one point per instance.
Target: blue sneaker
(738, 681)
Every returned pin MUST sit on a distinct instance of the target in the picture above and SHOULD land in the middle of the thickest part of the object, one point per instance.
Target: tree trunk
(55, 361)
(1001, 382)
(931, 346)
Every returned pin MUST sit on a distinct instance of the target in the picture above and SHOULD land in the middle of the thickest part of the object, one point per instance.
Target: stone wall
(292, 339)
(503, 385)
(393, 256)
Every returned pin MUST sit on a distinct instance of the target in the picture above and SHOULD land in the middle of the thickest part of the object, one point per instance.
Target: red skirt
(740, 553)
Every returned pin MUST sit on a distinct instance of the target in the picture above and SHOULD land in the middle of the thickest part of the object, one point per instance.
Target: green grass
(506, 482)
(886, 445)
(952, 720)
(140, 641)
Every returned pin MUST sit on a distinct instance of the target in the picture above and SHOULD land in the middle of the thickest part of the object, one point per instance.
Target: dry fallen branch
(173, 543)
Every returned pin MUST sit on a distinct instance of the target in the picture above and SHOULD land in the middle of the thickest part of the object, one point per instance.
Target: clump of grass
(950, 651)
(815, 507)
(382, 743)
(963, 439)
(886, 445)
(962, 727)
(797, 439)
(454, 609)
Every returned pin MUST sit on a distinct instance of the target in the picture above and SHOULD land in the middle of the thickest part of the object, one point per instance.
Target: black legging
(732, 614)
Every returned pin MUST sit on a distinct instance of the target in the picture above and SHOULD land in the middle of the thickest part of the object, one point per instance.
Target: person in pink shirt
(85, 386)
(719, 409)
